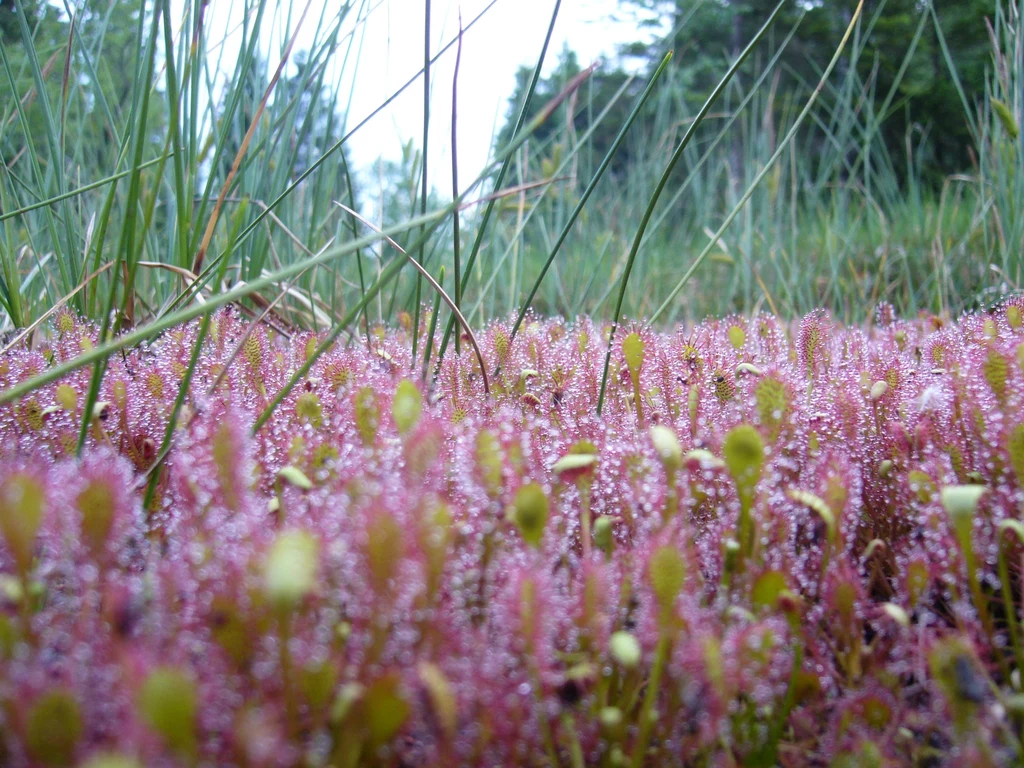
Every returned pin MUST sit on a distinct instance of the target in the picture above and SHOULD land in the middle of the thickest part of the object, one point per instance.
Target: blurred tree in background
(51, 39)
(102, 62)
(924, 109)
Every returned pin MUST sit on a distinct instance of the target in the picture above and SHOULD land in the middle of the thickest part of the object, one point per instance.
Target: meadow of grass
(298, 478)
(248, 176)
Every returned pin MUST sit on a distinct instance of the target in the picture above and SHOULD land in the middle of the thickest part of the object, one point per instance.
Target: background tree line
(898, 54)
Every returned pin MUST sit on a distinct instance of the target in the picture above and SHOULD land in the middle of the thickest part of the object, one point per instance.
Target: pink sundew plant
(796, 545)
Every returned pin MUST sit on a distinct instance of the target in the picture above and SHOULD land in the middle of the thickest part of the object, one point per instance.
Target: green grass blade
(183, 203)
(489, 209)
(359, 253)
(591, 129)
(948, 59)
(53, 142)
(62, 265)
(77, 191)
(101, 98)
(423, 170)
(126, 255)
(720, 136)
(590, 189)
(712, 98)
(456, 245)
(764, 171)
(242, 70)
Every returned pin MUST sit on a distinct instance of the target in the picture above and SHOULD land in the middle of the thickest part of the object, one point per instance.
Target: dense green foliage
(156, 154)
(889, 190)
(155, 105)
(900, 61)
(96, 93)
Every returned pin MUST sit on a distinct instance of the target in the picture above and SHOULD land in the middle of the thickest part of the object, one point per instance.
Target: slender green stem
(647, 715)
(572, 740)
(769, 755)
(542, 715)
(1010, 609)
(455, 181)
(489, 209)
(423, 171)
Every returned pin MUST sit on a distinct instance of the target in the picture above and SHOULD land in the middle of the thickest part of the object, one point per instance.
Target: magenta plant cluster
(795, 545)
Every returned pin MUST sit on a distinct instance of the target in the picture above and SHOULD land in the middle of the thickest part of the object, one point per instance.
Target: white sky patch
(389, 46)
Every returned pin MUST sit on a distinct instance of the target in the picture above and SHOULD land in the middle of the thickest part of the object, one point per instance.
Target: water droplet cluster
(779, 544)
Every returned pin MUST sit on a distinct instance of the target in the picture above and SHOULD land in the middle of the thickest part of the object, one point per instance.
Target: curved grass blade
(589, 190)
(437, 289)
(710, 151)
(676, 156)
(764, 171)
